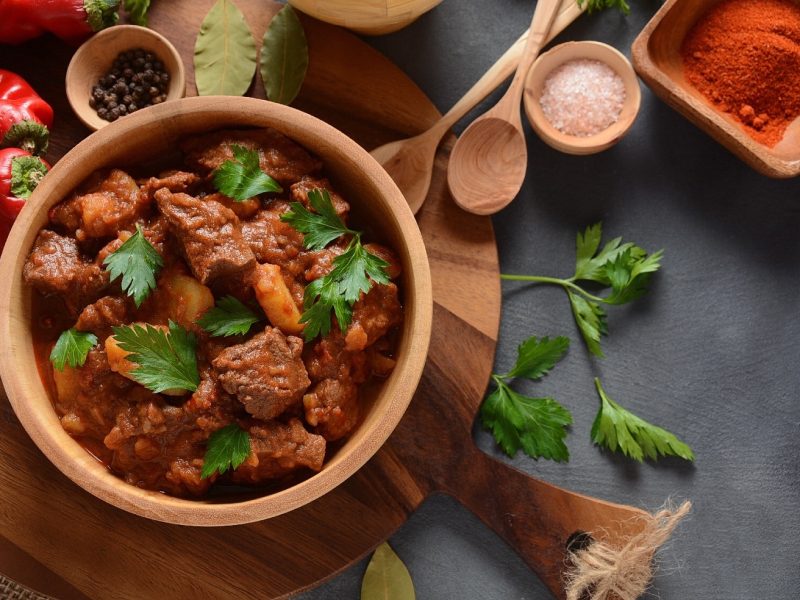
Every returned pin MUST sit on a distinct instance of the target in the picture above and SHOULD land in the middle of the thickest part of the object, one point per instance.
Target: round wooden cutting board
(59, 539)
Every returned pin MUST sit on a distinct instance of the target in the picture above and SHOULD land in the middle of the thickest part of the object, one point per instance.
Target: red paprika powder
(744, 56)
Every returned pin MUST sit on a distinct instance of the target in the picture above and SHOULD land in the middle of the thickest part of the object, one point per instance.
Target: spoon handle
(503, 68)
(541, 23)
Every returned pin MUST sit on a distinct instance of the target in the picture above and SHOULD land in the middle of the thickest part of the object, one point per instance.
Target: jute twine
(600, 572)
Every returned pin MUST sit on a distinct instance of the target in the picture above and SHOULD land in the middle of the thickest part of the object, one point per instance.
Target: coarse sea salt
(582, 97)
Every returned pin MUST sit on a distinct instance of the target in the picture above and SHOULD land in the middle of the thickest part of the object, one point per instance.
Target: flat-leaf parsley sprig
(72, 348)
(165, 360)
(624, 267)
(242, 177)
(354, 271)
(227, 448)
(620, 430)
(138, 263)
(537, 425)
(229, 317)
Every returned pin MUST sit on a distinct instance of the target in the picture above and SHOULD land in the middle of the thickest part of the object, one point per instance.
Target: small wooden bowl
(657, 58)
(373, 17)
(375, 200)
(94, 59)
(554, 58)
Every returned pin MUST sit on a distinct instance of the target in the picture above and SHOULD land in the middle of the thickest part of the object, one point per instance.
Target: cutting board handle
(536, 518)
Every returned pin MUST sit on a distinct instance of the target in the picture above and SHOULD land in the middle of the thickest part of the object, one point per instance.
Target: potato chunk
(276, 300)
(186, 298)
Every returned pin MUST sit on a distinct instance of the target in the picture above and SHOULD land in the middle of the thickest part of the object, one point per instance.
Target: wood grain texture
(490, 158)
(102, 551)
(371, 17)
(410, 161)
(656, 54)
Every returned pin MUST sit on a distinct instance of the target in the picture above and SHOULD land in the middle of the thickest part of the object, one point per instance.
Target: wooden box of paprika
(720, 64)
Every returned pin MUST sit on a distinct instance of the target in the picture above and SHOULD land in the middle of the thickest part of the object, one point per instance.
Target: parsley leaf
(537, 425)
(618, 429)
(534, 424)
(228, 317)
(227, 448)
(354, 268)
(138, 262)
(72, 348)
(319, 228)
(624, 267)
(137, 11)
(165, 360)
(242, 178)
(535, 357)
(320, 298)
(593, 5)
(354, 271)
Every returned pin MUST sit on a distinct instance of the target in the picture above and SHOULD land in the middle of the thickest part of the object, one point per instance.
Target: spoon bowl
(487, 166)
(410, 162)
(484, 186)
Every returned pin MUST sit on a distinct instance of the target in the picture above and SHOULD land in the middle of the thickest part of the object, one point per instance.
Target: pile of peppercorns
(137, 79)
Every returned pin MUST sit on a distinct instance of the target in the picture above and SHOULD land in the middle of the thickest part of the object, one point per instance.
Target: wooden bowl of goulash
(216, 310)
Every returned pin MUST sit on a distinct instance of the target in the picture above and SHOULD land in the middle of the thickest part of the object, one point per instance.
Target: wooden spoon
(488, 162)
(410, 162)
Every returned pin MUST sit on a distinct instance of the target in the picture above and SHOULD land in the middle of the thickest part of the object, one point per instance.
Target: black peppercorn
(136, 79)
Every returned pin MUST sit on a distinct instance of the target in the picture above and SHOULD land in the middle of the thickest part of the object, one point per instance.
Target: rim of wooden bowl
(369, 18)
(555, 57)
(94, 58)
(378, 197)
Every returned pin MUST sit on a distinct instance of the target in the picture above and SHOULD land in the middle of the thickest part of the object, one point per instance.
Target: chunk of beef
(318, 263)
(394, 269)
(89, 397)
(265, 373)
(272, 240)
(244, 209)
(101, 316)
(174, 181)
(328, 358)
(67, 215)
(108, 203)
(209, 234)
(277, 449)
(55, 266)
(212, 407)
(300, 194)
(280, 157)
(332, 408)
(157, 446)
(374, 314)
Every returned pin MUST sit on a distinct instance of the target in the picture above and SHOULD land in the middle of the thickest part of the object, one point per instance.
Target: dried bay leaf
(224, 53)
(284, 56)
(387, 578)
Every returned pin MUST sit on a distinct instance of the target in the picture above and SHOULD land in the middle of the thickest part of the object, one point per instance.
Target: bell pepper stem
(101, 13)
(26, 173)
(27, 135)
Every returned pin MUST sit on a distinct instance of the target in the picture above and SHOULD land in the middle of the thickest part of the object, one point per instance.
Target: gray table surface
(710, 353)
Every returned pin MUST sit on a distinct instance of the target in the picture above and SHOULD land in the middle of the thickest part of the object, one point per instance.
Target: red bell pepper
(20, 173)
(24, 116)
(71, 20)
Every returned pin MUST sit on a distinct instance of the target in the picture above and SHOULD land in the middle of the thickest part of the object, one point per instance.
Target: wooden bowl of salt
(582, 97)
